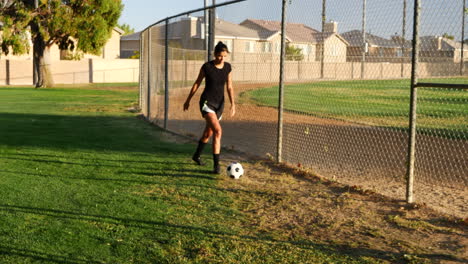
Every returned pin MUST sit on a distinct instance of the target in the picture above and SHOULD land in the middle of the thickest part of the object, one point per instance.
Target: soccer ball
(235, 170)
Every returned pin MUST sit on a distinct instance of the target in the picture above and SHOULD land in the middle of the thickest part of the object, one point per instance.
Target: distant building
(310, 41)
(129, 45)
(110, 51)
(253, 39)
(440, 49)
(378, 49)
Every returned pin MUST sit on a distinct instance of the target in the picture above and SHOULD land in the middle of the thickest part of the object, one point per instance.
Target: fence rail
(343, 102)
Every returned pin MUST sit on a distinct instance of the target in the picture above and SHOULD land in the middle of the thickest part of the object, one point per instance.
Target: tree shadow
(343, 250)
(41, 256)
(68, 132)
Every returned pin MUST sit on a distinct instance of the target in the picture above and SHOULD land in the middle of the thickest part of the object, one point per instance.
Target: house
(378, 49)
(188, 34)
(257, 40)
(440, 49)
(129, 45)
(310, 41)
(110, 51)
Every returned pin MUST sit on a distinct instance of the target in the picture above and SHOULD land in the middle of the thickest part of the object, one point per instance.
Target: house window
(334, 51)
(267, 47)
(399, 53)
(277, 47)
(249, 46)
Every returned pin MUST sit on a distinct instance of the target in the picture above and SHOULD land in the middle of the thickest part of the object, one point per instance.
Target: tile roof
(354, 38)
(228, 29)
(294, 31)
(431, 43)
(134, 36)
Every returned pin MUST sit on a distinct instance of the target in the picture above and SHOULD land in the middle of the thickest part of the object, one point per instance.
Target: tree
(136, 55)
(447, 36)
(60, 22)
(293, 53)
(127, 29)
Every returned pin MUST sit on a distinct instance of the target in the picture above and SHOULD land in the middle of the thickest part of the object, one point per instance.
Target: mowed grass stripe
(83, 180)
(374, 102)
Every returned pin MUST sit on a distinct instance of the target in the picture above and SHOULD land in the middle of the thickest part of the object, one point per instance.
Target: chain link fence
(368, 93)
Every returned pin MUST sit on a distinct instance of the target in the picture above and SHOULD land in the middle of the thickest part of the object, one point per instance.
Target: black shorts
(205, 108)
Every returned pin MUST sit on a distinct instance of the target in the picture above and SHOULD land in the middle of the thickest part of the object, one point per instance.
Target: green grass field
(378, 103)
(83, 180)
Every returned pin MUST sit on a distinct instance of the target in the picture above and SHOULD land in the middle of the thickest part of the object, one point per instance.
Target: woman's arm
(230, 91)
(194, 89)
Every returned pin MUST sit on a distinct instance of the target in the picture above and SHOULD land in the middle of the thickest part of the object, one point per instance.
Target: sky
(141, 13)
(383, 17)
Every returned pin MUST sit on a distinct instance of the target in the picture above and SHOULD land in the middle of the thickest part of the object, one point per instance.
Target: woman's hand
(233, 110)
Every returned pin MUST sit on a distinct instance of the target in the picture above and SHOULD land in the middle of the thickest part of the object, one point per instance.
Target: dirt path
(369, 157)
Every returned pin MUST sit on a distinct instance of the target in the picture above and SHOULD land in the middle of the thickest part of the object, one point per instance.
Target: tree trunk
(42, 70)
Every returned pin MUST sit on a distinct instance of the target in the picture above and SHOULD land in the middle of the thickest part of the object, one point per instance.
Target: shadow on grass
(187, 230)
(101, 133)
(150, 158)
(142, 180)
(40, 257)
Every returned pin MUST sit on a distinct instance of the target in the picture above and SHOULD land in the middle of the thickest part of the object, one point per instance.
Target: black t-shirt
(215, 80)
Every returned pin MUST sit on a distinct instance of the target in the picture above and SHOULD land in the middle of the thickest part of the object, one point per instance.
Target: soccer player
(217, 74)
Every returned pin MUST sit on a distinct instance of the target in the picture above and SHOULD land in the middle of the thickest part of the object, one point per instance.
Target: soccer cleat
(216, 169)
(198, 160)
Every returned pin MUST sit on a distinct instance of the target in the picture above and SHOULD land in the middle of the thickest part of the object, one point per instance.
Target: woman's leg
(215, 129)
(207, 133)
(213, 122)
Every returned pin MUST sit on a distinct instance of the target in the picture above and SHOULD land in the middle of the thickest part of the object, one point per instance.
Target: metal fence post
(462, 55)
(364, 42)
(140, 78)
(166, 75)
(413, 104)
(212, 31)
(322, 58)
(281, 83)
(148, 103)
(403, 40)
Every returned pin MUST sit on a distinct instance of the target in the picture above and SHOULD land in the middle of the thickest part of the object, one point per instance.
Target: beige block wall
(20, 72)
(256, 71)
(72, 72)
(116, 70)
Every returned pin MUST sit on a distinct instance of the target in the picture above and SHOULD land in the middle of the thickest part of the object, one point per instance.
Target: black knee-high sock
(200, 147)
(216, 163)
(196, 155)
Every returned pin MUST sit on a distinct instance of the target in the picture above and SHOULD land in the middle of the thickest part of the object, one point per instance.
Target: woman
(218, 75)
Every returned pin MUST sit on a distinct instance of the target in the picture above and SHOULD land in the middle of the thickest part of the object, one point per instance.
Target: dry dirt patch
(293, 204)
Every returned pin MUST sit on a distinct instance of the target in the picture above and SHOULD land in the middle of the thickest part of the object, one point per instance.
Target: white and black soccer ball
(235, 170)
